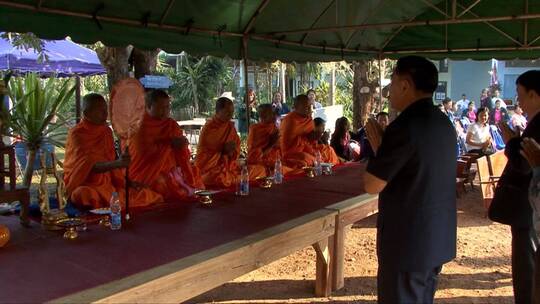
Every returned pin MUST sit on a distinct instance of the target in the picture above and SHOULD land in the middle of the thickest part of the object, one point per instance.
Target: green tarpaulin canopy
(291, 30)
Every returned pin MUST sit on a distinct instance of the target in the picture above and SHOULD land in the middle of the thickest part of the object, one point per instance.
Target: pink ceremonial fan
(127, 111)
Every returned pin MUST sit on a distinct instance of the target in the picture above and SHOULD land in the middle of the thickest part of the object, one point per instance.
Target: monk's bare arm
(101, 167)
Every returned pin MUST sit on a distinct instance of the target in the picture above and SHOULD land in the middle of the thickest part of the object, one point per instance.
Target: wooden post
(245, 61)
(77, 98)
(323, 281)
(379, 108)
(338, 255)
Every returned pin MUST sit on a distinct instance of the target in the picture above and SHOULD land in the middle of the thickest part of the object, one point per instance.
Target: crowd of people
(411, 164)
(478, 130)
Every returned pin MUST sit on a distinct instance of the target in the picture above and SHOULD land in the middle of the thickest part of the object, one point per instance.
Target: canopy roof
(64, 58)
(299, 30)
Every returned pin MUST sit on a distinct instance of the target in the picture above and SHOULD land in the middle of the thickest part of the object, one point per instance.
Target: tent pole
(245, 62)
(77, 98)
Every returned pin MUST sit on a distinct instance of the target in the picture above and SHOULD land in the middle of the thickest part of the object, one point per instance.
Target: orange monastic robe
(328, 155)
(257, 140)
(154, 162)
(219, 170)
(297, 149)
(88, 144)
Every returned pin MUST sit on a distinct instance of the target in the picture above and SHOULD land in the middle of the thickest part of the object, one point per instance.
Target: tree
(363, 90)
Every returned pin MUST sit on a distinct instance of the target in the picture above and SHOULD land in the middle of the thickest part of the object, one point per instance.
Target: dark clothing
(524, 245)
(511, 206)
(417, 209)
(394, 286)
(515, 178)
(366, 152)
(486, 103)
(284, 109)
(342, 151)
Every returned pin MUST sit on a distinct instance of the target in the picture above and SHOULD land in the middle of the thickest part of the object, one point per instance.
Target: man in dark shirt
(414, 170)
(510, 203)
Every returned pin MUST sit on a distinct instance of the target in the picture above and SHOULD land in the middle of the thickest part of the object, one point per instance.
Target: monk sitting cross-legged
(297, 135)
(328, 155)
(219, 148)
(263, 140)
(91, 171)
(160, 153)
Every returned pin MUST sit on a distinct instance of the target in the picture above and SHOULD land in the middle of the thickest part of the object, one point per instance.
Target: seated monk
(263, 140)
(219, 148)
(328, 155)
(297, 135)
(91, 171)
(160, 156)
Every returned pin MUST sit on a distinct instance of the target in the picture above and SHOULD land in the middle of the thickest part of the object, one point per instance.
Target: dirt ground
(480, 273)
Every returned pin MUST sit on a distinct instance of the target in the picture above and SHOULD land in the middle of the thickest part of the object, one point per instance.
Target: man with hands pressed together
(414, 172)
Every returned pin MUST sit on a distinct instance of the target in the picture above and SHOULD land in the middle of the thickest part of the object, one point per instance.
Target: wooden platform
(177, 253)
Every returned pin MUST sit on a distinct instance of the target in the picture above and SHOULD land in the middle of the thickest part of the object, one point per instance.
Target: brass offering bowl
(310, 171)
(265, 182)
(70, 224)
(204, 197)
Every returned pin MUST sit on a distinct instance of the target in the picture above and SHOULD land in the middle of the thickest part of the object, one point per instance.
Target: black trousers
(524, 245)
(398, 287)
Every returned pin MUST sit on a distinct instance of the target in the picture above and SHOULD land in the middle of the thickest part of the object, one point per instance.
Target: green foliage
(27, 41)
(197, 81)
(34, 116)
(344, 86)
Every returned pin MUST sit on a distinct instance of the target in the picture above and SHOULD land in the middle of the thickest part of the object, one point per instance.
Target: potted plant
(34, 117)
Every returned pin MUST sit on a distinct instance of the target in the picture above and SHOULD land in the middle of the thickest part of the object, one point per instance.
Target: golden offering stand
(309, 171)
(70, 224)
(265, 182)
(50, 217)
(204, 197)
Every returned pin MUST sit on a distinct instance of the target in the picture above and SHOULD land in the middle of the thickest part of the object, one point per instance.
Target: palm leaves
(34, 116)
(197, 81)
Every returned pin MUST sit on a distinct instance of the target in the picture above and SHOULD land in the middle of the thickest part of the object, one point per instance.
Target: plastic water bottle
(116, 212)
(318, 165)
(244, 181)
(278, 172)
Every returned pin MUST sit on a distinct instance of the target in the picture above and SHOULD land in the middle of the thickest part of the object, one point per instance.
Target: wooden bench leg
(323, 279)
(338, 256)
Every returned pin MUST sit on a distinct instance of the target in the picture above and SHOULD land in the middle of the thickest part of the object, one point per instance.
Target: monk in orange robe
(160, 152)
(219, 149)
(297, 135)
(263, 140)
(328, 155)
(91, 171)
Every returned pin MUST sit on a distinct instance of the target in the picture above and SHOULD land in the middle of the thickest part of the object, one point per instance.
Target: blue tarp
(65, 59)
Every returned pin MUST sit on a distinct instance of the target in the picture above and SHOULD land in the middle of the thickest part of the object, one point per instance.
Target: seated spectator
(278, 105)
(345, 148)
(518, 122)
(499, 113)
(469, 113)
(478, 134)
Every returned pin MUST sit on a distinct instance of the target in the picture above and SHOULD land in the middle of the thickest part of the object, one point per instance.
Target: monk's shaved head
(94, 108)
(302, 105)
(266, 113)
(90, 100)
(154, 96)
(221, 103)
(158, 104)
(224, 109)
(319, 122)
